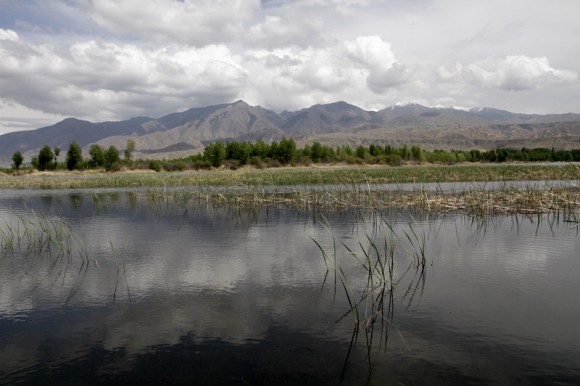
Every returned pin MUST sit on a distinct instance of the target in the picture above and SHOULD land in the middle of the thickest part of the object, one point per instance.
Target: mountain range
(184, 133)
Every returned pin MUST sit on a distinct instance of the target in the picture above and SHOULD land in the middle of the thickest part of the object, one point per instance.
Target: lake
(119, 287)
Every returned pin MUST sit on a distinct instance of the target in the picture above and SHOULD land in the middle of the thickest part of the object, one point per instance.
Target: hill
(187, 132)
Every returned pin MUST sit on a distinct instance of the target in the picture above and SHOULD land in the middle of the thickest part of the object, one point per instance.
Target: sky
(108, 60)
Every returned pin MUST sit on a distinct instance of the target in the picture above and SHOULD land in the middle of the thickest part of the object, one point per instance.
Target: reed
(387, 277)
(387, 258)
(49, 236)
(473, 201)
(344, 175)
(41, 233)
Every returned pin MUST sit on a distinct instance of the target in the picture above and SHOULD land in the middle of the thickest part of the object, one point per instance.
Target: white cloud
(295, 77)
(512, 73)
(519, 73)
(378, 60)
(18, 117)
(198, 22)
(276, 31)
(370, 51)
(8, 35)
(112, 78)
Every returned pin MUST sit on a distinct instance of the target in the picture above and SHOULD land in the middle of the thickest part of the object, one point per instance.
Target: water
(153, 292)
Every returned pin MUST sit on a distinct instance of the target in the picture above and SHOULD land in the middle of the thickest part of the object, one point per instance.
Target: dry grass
(474, 201)
(349, 187)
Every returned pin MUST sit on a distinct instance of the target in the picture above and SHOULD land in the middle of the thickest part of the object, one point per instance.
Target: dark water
(157, 292)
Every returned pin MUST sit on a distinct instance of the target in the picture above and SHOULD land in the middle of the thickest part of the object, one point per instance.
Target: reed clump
(49, 236)
(38, 233)
(296, 176)
(473, 201)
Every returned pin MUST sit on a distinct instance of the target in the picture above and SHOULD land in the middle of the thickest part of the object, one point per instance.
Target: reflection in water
(157, 291)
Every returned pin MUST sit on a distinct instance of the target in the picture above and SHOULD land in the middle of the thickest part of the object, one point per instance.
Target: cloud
(198, 23)
(115, 78)
(99, 80)
(512, 73)
(377, 59)
(299, 77)
(276, 31)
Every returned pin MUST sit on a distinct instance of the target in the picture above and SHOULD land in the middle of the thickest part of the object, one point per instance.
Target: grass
(352, 187)
(475, 201)
(387, 259)
(38, 233)
(296, 176)
(49, 236)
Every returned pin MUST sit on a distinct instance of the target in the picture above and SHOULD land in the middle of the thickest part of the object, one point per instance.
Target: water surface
(155, 291)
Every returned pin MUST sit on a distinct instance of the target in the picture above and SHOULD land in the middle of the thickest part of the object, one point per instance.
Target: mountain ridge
(188, 131)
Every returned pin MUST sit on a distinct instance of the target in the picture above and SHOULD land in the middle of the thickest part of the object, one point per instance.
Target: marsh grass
(298, 176)
(387, 258)
(338, 188)
(41, 235)
(473, 201)
(388, 267)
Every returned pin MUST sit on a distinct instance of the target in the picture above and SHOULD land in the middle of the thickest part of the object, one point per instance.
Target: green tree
(261, 149)
(56, 154)
(74, 156)
(273, 150)
(475, 155)
(376, 150)
(111, 157)
(97, 156)
(316, 152)
(417, 153)
(130, 149)
(286, 151)
(241, 151)
(328, 154)
(45, 158)
(344, 152)
(17, 159)
(215, 153)
(361, 152)
(405, 152)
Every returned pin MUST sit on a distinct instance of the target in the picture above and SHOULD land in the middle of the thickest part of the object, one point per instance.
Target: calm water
(154, 292)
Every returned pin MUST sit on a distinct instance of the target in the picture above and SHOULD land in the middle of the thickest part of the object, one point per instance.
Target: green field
(297, 176)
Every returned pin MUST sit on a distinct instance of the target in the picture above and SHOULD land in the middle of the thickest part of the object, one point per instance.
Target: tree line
(47, 158)
(234, 154)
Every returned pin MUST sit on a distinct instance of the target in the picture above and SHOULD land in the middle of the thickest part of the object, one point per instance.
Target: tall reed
(381, 257)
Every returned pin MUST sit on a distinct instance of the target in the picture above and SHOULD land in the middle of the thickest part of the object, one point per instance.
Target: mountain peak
(341, 105)
(239, 103)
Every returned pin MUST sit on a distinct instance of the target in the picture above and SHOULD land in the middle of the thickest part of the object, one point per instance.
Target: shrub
(232, 164)
(178, 166)
(394, 160)
(155, 164)
(257, 162)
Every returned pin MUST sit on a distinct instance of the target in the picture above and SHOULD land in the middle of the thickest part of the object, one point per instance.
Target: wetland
(355, 282)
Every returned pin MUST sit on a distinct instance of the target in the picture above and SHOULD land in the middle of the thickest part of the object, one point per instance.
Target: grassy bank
(296, 176)
(353, 187)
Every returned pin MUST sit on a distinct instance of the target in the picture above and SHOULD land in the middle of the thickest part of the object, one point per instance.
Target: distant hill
(187, 132)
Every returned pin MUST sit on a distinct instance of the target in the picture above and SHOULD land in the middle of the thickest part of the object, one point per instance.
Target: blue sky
(112, 60)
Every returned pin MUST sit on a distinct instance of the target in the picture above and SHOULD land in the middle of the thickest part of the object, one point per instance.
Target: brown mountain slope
(334, 123)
